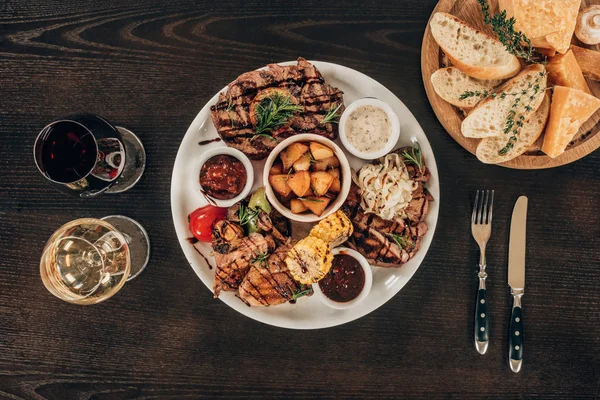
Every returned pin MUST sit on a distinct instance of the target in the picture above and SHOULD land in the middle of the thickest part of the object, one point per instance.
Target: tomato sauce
(223, 177)
(345, 280)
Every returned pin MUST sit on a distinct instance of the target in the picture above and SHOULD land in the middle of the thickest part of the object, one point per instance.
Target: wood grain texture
(586, 140)
(150, 66)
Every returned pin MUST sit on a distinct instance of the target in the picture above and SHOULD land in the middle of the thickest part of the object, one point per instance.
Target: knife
(516, 281)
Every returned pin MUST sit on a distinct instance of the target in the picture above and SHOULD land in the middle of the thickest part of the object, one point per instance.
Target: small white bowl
(366, 289)
(344, 169)
(229, 151)
(369, 101)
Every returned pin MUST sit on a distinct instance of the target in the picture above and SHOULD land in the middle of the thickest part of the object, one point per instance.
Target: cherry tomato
(203, 220)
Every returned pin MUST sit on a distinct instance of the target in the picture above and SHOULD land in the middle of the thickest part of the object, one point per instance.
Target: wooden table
(150, 66)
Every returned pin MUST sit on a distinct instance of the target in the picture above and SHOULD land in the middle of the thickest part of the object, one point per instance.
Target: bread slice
(488, 150)
(450, 83)
(570, 109)
(489, 117)
(473, 52)
(547, 23)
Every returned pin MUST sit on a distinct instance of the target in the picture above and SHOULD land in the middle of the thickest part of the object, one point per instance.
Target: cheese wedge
(547, 23)
(589, 62)
(570, 109)
(563, 70)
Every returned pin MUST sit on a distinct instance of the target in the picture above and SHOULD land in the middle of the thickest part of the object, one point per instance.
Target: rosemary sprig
(274, 112)
(260, 258)
(264, 135)
(302, 291)
(332, 116)
(401, 241)
(310, 200)
(414, 156)
(229, 109)
(513, 40)
(247, 214)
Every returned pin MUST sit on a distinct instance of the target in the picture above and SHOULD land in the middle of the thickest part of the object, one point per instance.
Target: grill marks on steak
(270, 284)
(305, 84)
(373, 236)
(233, 266)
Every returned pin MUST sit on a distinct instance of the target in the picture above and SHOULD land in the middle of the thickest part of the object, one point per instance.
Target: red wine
(83, 154)
(66, 152)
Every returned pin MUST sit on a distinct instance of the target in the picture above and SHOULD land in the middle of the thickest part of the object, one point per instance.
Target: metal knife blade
(516, 249)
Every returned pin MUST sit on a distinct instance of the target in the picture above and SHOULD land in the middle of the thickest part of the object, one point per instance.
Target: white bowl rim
(229, 151)
(344, 166)
(366, 288)
(391, 115)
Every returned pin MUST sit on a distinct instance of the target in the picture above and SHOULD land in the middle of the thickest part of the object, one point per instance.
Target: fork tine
(474, 215)
(485, 207)
(480, 212)
(491, 208)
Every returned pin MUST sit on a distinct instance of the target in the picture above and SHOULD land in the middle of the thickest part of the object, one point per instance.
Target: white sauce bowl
(228, 151)
(366, 289)
(393, 118)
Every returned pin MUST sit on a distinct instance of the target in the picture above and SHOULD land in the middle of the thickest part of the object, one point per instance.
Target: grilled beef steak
(390, 243)
(235, 118)
(269, 283)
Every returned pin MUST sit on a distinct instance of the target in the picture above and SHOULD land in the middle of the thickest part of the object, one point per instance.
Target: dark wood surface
(150, 66)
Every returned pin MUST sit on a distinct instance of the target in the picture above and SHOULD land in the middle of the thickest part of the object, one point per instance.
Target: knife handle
(482, 325)
(515, 338)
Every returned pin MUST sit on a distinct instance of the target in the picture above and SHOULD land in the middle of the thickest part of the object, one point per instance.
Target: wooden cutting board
(432, 58)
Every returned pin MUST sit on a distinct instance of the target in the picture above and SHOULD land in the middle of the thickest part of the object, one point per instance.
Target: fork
(481, 229)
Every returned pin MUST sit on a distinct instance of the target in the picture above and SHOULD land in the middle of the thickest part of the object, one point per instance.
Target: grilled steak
(390, 243)
(303, 83)
(233, 266)
(269, 283)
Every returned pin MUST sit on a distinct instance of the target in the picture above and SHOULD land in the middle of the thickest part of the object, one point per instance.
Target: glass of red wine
(86, 155)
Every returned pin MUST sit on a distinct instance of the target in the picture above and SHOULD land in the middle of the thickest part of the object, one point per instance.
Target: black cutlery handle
(515, 338)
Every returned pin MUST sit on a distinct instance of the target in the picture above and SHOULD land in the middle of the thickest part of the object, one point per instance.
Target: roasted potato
(335, 172)
(326, 163)
(336, 186)
(320, 182)
(303, 163)
(297, 206)
(280, 185)
(300, 182)
(319, 151)
(276, 168)
(290, 155)
(316, 204)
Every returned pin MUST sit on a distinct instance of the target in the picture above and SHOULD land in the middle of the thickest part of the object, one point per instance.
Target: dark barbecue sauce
(223, 177)
(345, 280)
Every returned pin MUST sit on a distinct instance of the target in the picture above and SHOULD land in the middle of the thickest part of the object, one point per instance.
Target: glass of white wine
(88, 260)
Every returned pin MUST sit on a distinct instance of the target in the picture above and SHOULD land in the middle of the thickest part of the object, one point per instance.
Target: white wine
(85, 261)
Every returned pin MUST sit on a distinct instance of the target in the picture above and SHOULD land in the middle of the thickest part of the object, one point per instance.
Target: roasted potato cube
(316, 204)
(276, 168)
(303, 163)
(320, 182)
(290, 155)
(299, 182)
(326, 163)
(279, 184)
(297, 206)
(319, 151)
(336, 186)
(335, 172)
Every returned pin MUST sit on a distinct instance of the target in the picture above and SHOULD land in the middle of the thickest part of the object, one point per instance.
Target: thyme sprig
(260, 258)
(332, 116)
(414, 156)
(303, 290)
(274, 112)
(513, 40)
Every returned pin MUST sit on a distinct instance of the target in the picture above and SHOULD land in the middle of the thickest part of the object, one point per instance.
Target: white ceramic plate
(308, 312)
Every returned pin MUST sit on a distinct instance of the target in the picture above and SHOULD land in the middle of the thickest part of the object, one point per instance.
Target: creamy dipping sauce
(368, 128)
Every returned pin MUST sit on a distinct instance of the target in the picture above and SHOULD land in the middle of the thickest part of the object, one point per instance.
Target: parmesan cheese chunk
(547, 23)
(563, 70)
(570, 109)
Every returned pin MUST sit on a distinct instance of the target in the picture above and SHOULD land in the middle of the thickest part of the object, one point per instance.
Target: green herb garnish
(247, 214)
(300, 292)
(229, 109)
(260, 258)
(310, 200)
(274, 112)
(514, 41)
(401, 241)
(414, 156)
(332, 116)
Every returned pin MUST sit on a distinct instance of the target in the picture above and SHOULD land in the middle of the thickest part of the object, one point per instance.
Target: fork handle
(482, 322)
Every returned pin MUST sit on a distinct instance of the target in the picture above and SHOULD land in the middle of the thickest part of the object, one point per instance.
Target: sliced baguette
(473, 52)
(450, 83)
(489, 148)
(488, 118)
